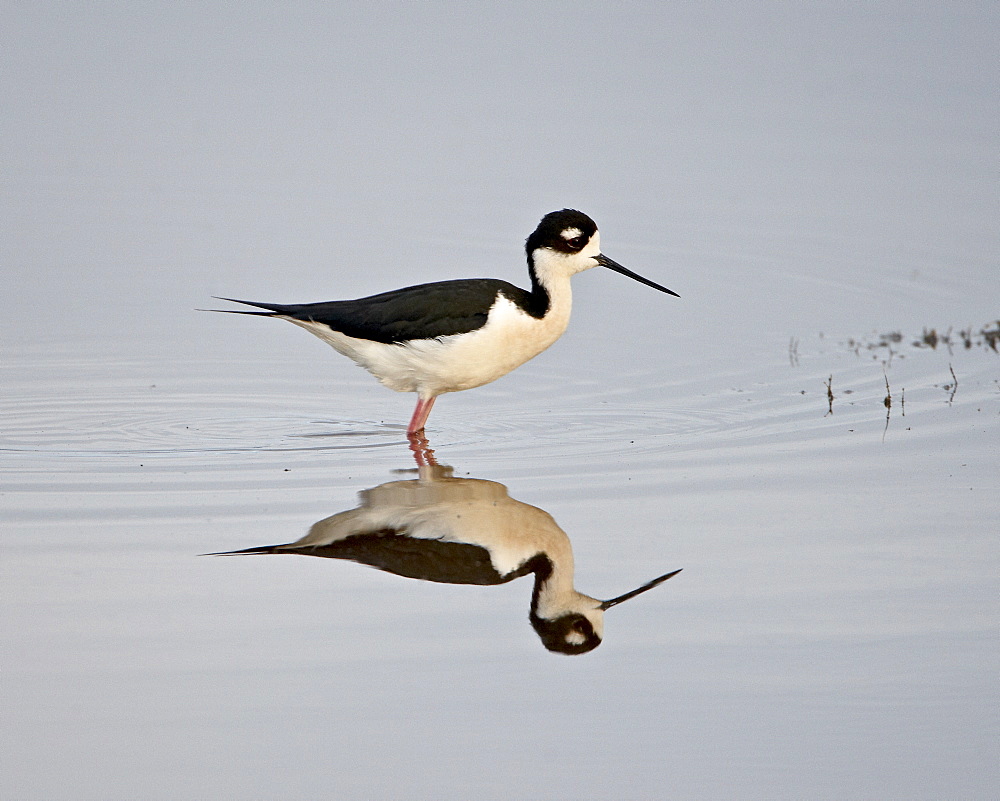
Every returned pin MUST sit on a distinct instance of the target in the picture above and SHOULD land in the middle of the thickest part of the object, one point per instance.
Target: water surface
(811, 179)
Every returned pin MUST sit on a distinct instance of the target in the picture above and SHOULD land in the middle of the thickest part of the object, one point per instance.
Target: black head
(570, 634)
(567, 231)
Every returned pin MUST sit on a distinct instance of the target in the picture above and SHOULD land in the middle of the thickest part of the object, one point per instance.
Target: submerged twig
(829, 394)
(954, 386)
(887, 402)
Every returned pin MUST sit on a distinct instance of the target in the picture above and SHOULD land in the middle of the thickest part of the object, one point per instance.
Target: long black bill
(604, 261)
(654, 583)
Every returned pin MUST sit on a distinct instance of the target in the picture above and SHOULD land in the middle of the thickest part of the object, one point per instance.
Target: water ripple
(648, 411)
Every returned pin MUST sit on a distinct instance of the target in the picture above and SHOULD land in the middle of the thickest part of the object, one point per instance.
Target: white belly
(432, 367)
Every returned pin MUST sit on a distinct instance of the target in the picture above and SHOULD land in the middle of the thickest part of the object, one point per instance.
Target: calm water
(811, 179)
(834, 622)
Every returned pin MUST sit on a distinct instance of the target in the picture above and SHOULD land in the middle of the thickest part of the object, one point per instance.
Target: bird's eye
(576, 242)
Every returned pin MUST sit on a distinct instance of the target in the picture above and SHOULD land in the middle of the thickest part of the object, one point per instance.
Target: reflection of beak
(604, 261)
(654, 583)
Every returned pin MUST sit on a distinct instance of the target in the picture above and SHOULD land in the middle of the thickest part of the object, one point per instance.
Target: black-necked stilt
(465, 531)
(455, 335)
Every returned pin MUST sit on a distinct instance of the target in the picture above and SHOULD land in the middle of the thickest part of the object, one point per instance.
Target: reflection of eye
(576, 242)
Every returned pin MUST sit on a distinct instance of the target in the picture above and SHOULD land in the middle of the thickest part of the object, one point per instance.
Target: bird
(449, 336)
(465, 531)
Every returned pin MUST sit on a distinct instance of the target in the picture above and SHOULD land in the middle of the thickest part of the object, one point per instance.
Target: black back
(425, 311)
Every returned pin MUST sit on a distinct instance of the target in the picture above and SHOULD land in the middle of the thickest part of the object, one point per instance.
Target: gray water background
(808, 178)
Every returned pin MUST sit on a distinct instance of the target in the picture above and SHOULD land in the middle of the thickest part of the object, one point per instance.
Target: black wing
(426, 311)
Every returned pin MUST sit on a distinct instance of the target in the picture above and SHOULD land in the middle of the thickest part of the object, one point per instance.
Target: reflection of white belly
(453, 363)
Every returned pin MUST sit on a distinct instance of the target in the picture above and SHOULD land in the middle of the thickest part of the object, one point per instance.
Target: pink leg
(420, 415)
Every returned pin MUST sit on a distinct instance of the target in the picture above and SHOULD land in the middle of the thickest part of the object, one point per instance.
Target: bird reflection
(465, 531)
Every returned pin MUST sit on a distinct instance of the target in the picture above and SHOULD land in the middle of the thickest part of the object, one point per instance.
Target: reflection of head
(568, 621)
(571, 633)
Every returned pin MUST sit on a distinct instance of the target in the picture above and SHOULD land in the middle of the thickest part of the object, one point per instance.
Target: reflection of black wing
(429, 560)
(426, 311)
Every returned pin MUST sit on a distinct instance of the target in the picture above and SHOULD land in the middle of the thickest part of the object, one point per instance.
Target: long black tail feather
(273, 309)
(259, 549)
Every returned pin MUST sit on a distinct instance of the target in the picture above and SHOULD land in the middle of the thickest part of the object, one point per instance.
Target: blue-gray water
(808, 178)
